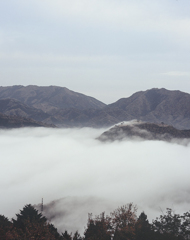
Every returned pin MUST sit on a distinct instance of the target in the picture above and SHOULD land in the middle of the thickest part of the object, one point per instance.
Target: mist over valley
(81, 174)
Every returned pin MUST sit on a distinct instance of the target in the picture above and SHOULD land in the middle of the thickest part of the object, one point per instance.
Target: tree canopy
(121, 224)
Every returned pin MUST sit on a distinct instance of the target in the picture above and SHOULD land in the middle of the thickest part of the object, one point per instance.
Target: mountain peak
(50, 98)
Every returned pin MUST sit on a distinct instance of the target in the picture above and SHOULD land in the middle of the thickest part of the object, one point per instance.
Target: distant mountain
(17, 122)
(50, 99)
(157, 105)
(142, 130)
(65, 108)
(88, 118)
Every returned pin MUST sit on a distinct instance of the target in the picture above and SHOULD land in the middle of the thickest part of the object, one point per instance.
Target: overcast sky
(107, 49)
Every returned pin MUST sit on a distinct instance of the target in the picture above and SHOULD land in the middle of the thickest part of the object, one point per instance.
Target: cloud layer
(81, 175)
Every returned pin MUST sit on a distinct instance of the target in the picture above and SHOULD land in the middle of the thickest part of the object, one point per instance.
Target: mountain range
(66, 108)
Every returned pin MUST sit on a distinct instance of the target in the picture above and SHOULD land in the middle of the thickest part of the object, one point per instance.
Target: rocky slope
(142, 130)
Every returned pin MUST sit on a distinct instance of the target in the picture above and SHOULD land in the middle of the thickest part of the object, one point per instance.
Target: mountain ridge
(49, 98)
(158, 105)
(78, 110)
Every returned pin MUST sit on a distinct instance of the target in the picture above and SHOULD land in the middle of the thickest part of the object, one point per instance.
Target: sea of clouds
(76, 174)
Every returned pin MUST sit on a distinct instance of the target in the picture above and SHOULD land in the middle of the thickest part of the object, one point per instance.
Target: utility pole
(42, 206)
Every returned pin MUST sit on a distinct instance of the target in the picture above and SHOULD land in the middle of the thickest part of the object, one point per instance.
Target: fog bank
(76, 174)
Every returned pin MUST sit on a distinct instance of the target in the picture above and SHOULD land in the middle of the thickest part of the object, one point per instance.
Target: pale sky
(105, 49)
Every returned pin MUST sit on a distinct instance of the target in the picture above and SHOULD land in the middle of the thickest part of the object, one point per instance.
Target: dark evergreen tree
(54, 232)
(30, 224)
(143, 229)
(67, 236)
(77, 236)
(28, 214)
(5, 227)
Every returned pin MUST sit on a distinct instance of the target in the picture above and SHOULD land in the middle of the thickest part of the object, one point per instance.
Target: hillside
(13, 107)
(142, 130)
(158, 105)
(17, 122)
(50, 99)
(89, 117)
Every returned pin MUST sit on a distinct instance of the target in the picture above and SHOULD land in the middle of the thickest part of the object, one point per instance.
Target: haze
(82, 175)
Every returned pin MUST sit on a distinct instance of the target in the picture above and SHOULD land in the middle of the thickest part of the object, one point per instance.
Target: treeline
(121, 224)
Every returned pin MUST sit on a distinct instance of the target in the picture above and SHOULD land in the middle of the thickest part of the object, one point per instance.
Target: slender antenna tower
(42, 206)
